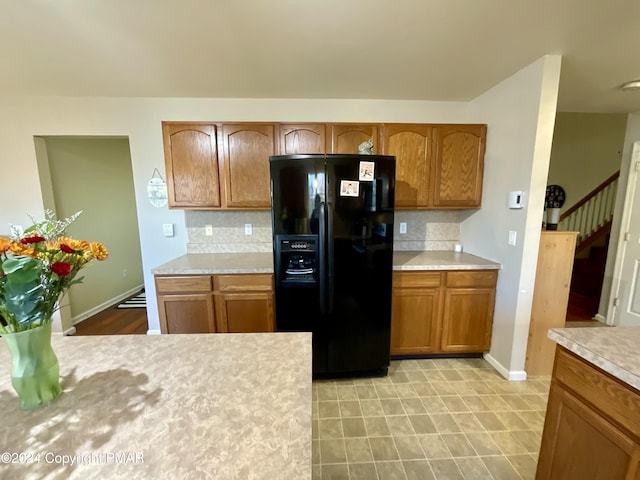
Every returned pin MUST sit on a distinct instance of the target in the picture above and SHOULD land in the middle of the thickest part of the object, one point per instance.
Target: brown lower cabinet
(239, 303)
(592, 425)
(244, 303)
(442, 312)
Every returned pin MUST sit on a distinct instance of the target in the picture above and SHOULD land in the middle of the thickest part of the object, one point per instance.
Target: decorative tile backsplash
(426, 230)
(228, 231)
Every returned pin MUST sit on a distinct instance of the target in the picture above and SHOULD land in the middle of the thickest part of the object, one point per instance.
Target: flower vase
(35, 373)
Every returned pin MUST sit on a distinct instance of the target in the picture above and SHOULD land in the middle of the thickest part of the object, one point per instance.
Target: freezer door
(360, 216)
(297, 190)
(298, 196)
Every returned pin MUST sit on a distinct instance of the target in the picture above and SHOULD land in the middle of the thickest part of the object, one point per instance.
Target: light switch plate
(167, 229)
(248, 229)
(512, 237)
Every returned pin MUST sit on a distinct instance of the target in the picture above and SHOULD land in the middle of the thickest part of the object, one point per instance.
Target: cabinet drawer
(473, 278)
(183, 284)
(243, 282)
(416, 279)
(613, 398)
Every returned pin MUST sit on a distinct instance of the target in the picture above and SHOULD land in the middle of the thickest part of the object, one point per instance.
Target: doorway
(624, 306)
(94, 175)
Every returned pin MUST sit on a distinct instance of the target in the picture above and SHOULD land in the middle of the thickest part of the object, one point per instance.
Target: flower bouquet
(36, 268)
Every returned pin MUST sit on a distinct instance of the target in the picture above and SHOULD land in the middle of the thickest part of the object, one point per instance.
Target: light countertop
(217, 263)
(262, 262)
(613, 349)
(223, 406)
(441, 260)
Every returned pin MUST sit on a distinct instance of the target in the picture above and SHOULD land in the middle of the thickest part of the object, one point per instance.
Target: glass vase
(35, 374)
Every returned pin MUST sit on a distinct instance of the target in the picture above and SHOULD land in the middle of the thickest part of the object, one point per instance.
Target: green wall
(94, 175)
(586, 150)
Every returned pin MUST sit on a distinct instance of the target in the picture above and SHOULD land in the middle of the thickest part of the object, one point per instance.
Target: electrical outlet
(403, 227)
(208, 230)
(248, 229)
(167, 229)
(124, 272)
(512, 237)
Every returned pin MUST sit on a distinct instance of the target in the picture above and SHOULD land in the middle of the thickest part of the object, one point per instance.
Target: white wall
(520, 112)
(587, 148)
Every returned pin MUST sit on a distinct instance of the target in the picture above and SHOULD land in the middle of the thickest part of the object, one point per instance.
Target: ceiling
(438, 50)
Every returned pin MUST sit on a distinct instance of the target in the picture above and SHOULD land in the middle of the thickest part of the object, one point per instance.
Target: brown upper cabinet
(226, 165)
(191, 161)
(302, 138)
(347, 137)
(458, 166)
(246, 148)
(218, 165)
(412, 145)
(437, 166)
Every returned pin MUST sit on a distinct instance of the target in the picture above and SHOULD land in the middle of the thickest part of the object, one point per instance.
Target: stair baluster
(592, 215)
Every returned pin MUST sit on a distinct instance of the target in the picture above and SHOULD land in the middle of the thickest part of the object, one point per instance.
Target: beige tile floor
(453, 419)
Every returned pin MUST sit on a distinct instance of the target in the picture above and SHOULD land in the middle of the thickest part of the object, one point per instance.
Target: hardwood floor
(115, 321)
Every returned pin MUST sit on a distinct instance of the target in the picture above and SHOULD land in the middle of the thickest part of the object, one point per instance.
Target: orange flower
(5, 244)
(20, 249)
(52, 245)
(77, 245)
(98, 251)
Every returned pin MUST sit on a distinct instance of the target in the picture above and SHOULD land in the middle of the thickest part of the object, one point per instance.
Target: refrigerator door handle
(330, 254)
(322, 263)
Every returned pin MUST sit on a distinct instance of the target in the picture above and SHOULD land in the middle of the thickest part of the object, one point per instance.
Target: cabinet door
(191, 162)
(459, 165)
(188, 313)
(415, 321)
(412, 147)
(467, 319)
(579, 443)
(245, 312)
(415, 313)
(245, 158)
(302, 138)
(347, 137)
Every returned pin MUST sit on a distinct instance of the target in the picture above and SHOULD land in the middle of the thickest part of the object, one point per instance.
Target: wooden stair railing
(592, 215)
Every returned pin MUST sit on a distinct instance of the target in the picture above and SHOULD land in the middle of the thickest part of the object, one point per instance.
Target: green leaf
(23, 291)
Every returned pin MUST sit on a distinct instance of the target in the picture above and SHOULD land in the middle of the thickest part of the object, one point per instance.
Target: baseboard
(103, 306)
(512, 376)
(154, 332)
(600, 318)
(69, 331)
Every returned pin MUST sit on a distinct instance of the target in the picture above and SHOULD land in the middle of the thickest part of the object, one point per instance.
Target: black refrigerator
(333, 250)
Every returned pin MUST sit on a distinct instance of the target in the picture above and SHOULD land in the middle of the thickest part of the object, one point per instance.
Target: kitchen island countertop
(613, 349)
(224, 406)
(262, 262)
